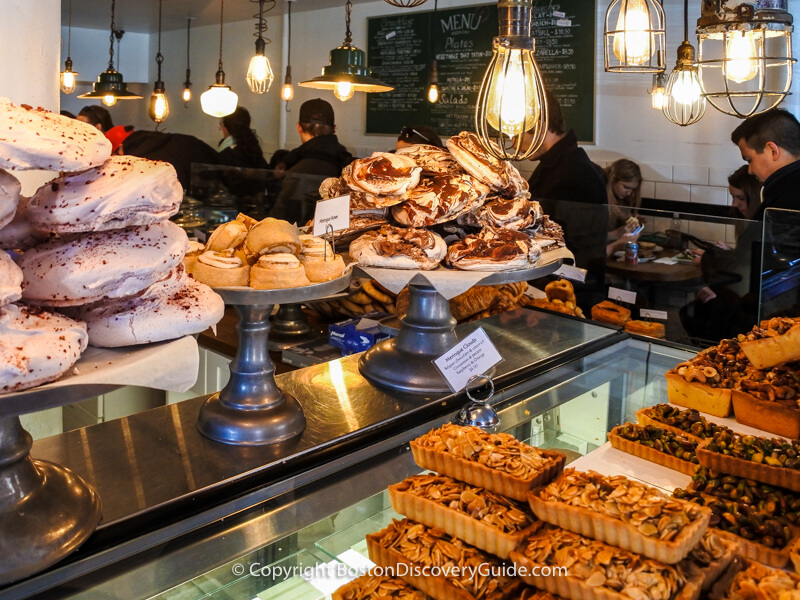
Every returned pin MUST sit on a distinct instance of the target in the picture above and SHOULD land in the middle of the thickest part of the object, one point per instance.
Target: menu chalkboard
(402, 45)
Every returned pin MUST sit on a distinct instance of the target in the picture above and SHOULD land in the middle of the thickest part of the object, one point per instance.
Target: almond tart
(497, 462)
(592, 570)
(378, 587)
(482, 518)
(758, 582)
(661, 446)
(710, 558)
(439, 564)
(768, 399)
(623, 512)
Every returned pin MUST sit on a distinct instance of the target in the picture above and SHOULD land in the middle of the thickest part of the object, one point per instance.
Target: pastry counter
(177, 507)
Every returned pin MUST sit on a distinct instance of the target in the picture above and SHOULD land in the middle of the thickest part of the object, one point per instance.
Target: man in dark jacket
(319, 157)
(572, 191)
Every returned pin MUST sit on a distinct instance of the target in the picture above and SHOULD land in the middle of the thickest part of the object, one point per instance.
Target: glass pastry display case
(185, 517)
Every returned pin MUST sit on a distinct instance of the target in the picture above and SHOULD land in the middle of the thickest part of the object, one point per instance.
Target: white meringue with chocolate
(399, 248)
(440, 198)
(9, 197)
(384, 174)
(10, 280)
(494, 249)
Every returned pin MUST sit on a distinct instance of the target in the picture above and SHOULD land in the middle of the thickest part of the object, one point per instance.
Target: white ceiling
(141, 16)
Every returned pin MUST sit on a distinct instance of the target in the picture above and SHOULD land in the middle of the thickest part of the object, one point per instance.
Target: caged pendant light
(658, 93)
(259, 72)
(68, 77)
(219, 100)
(685, 103)
(511, 113)
(347, 72)
(110, 85)
(745, 55)
(634, 36)
(433, 74)
(187, 85)
(287, 91)
(158, 109)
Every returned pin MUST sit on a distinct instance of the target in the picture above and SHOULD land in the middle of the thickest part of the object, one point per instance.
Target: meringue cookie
(10, 280)
(122, 192)
(33, 138)
(9, 197)
(19, 234)
(108, 264)
(36, 346)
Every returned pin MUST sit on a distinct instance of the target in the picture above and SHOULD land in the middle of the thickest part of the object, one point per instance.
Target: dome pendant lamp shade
(634, 36)
(685, 103)
(511, 113)
(219, 100)
(259, 72)
(347, 72)
(110, 85)
(745, 55)
(158, 110)
(68, 77)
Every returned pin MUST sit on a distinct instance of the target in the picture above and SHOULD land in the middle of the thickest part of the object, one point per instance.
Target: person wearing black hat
(320, 156)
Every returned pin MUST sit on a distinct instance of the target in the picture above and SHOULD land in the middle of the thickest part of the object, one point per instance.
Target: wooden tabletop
(654, 271)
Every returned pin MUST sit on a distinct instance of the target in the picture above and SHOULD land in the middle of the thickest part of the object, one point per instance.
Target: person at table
(96, 115)
(624, 193)
(571, 189)
(240, 146)
(318, 157)
(418, 134)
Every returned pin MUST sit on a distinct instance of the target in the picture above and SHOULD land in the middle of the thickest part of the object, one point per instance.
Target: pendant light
(634, 36)
(110, 85)
(287, 91)
(433, 74)
(219, 100)
(158, 110)
(685, 102)
(658, 93)
(347, 72)
(511, 114)
(405, 3)
(187, 85)
(745, 56)
(259, 72)
(68, 76)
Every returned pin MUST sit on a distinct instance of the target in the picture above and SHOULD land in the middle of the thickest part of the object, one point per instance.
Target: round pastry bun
(10, 280)
(33, 138)
(36, 346)
(9, 197)
(171, 308)
(122, 192)
(227, 235)
(319, 270)
(221, 269)
(107, 264)
(278, 271)
(273, 236)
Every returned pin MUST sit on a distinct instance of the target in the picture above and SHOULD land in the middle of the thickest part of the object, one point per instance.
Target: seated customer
(624, 192)
(418, 134)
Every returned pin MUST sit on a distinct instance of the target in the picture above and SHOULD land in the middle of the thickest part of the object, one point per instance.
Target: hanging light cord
(188, 41)
(685, 20)
(289, 51)
(348, 37)
(69, 30)
(221, 13)
(111, 39)
(159, 56)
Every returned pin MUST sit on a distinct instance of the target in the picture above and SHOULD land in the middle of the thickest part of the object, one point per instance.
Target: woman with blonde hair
(624, 191)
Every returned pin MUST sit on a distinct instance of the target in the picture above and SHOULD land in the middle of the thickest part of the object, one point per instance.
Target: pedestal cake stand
(405, 363)
(251, 409)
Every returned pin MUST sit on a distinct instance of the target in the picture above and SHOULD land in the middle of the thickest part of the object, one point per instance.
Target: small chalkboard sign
(402, 45)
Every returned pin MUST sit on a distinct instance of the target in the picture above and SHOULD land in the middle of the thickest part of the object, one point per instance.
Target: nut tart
(661, 446)
(688, 422)
(497, 462)
(623, 512)
(773, 461)
(482, 518)
(441, 565)
(710, 558)
(715, 401)
(378, 587)
(758, 582)
(598, 571)
(768, 399)
(773, 342)
(760, 537)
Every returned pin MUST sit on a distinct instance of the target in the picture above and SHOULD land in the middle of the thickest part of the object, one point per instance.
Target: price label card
(647, 313)
(334, 212)
(622, 295)
(534, 292)
(573, 273)
(473, 355)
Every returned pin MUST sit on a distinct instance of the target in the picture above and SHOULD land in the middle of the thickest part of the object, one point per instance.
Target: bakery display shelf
(405, 363)
(251, 409)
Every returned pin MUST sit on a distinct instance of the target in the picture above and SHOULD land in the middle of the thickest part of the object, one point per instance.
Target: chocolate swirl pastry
(494, 249)
(516, 213)
(501, 176)
(384, 174)
(439, 199)
(398, 248)
(433, 160)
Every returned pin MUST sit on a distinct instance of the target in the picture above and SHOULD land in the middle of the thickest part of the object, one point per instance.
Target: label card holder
(621, 295)
(474, 355)
(334, 213)
(573, 273)
(648, 313)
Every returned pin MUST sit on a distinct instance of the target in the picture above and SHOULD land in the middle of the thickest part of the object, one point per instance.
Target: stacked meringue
(423, 186)
(97, 245)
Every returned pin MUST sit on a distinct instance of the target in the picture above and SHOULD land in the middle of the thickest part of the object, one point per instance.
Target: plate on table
(642, 259)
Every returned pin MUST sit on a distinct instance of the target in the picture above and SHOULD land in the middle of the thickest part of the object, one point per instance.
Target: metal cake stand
(289, 327)
(405, 363)
(251, 409)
